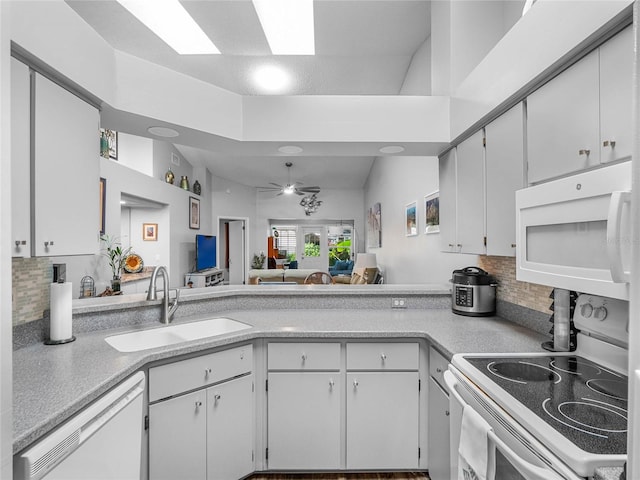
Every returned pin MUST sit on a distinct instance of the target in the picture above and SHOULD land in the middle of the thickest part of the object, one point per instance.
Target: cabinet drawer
(178, 377)
(438, 364)
(382, 356)
(303, 356)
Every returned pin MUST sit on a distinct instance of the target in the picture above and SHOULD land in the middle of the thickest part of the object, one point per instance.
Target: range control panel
(464, 296)
(603, 316)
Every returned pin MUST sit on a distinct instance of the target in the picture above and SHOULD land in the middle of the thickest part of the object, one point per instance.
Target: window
(286, 244)
(339, 242)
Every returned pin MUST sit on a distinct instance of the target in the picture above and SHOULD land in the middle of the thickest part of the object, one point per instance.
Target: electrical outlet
(398, 303)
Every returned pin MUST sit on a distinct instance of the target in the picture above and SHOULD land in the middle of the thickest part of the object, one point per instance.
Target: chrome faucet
(167, 309)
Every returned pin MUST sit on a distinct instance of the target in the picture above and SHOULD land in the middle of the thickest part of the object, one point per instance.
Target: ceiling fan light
(288, 190)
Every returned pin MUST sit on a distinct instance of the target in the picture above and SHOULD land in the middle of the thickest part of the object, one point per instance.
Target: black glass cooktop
(583, 401)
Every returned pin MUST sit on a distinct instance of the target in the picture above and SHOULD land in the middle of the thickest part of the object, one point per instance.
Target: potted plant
(258, 261)
(116, 256)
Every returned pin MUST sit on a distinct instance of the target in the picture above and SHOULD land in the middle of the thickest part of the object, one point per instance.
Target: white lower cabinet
(304, 420)
(206, 434)
(382, 420)
(178, 438)
(438, 434)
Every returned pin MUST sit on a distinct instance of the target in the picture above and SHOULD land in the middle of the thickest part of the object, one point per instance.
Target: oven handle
(614, 240)
(530, 471)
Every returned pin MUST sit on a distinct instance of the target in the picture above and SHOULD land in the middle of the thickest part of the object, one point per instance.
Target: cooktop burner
(581, 400)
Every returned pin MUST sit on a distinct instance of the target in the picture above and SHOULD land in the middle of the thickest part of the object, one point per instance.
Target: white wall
(136, 152)
(394, 182)
(338, 204)
(417, 81)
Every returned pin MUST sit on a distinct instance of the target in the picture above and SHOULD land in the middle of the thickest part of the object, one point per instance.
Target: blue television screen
(205, 252)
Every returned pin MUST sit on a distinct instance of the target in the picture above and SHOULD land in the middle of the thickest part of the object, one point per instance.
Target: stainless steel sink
(162, 336)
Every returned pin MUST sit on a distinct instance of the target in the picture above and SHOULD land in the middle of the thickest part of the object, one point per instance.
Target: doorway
(312, 245)
(232, 252)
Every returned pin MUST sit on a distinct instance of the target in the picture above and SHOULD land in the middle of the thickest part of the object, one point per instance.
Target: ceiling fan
(289, 188)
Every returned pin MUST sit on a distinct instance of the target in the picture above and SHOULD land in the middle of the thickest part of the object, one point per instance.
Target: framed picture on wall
(432, 212)
(411, 219)
(150, 232)
(194, 213)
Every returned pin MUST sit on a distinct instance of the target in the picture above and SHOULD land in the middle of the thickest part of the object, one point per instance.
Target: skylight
(288, 25)
(172, 23)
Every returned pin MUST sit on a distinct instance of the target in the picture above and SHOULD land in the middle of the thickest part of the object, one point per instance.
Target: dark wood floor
(341, 476)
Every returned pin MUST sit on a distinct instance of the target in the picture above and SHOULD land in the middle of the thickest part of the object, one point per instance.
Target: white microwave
(575, 232)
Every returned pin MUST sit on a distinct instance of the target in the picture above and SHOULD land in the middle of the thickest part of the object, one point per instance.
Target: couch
(289, 275)
(341, 267)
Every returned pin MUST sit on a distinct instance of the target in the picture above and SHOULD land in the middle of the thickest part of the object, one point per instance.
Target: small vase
(169, 177)
(115, 284)
(196, 187)
(184, 182)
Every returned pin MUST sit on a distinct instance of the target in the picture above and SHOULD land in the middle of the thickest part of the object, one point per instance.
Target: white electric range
(556, 415)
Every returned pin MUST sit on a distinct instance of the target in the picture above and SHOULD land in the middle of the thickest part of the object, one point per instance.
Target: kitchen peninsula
(52, 383)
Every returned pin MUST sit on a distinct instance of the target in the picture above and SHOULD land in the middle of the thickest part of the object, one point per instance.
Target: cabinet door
(304, 421)
(563, 122)
(20, 159)
(438, 435)
(504, 155)
(447, 181)
(230, 430)
(470, 195)
(616, 69)
(382, 420)
(178, 438)
(66, 176)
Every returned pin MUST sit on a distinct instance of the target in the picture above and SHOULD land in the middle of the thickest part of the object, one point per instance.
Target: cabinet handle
(304, 357)
(438, 369)
(451, 245)
(207, 372)
(446, 412)
(331, 384)
(216, 397)
(513, 245)
(383, 357)
(47, 243)
(355, 384)
(584, 151)
(198, 404)
(609, 143)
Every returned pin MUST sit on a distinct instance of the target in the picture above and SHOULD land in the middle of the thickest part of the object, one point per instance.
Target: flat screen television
(205, 252)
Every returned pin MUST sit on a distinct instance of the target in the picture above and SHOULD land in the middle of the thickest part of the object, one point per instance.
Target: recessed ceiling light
(170, 21)
(289, 149)
(272, 79)
(288, 25)
(163, 132)
(392, 149)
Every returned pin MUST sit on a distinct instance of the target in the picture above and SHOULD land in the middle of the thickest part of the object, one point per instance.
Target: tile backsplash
(530, 295)
(30, 288)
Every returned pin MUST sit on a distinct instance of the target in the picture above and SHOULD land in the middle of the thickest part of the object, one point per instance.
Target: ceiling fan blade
(310, 189)
(298, 192)
(279, 186)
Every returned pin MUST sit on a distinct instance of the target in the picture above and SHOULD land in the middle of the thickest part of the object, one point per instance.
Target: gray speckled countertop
(608, 473)
(51, 383)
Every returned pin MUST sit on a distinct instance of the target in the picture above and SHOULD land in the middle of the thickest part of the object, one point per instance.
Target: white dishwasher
(102, 442)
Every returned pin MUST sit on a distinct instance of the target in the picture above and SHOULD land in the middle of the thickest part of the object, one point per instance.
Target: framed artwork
(103, 202)
(374, 226)
(432, 212)
(111, 137)
(194, 213)
(150, 232)
(411, 219)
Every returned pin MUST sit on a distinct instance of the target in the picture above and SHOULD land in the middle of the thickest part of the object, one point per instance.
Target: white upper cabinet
(582, 117)
(616, 72)
(504, 157)
(447, 174)
(562, 122)
(462, 199)
(20, 159)
(470, 204)
(66, 176)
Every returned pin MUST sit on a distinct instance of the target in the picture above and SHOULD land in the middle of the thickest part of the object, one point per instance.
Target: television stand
(204, 278)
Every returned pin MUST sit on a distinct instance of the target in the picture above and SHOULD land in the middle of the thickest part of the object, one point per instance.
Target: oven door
(513, 453)
(574, 232)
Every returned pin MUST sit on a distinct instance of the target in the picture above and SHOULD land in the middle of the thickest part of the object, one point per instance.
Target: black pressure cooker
(474, 292)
